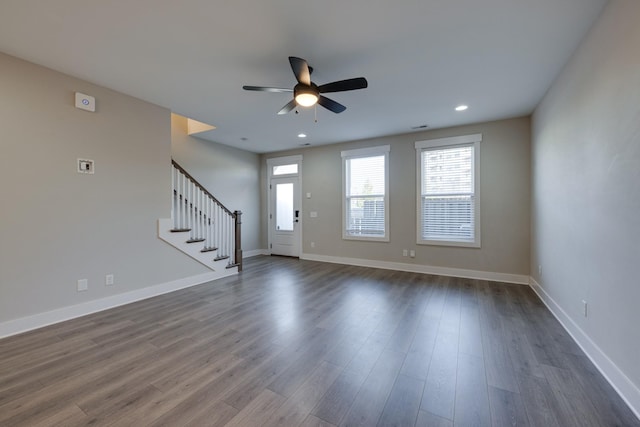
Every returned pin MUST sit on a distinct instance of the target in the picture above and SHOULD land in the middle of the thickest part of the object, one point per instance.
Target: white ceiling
(421, 58)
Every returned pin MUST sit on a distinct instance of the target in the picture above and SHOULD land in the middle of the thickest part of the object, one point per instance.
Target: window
(285, 169)
(365, 203)
(448, 191)
(284, 206)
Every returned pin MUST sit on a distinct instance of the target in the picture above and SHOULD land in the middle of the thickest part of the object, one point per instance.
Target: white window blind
(365, 179)
(448, 199)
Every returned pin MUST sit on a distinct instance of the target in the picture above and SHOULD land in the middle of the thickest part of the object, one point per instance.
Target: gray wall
(505, 197)
(58, 226)
(231, 175)
(586, 194)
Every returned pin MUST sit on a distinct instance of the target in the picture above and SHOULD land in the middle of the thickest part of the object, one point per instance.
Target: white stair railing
(199, 213)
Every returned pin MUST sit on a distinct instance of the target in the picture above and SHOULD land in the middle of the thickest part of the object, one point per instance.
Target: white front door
(285, 216)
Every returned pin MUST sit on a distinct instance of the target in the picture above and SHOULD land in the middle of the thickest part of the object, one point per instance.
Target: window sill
(474, 245)
(366, 238)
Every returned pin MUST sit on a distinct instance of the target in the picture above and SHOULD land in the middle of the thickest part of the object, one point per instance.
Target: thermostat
(85, 102)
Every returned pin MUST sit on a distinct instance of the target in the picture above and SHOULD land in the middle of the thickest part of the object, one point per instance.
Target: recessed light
(302, 135)
(461, 107)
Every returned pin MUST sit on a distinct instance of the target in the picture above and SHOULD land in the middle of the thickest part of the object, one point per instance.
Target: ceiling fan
(306, 93)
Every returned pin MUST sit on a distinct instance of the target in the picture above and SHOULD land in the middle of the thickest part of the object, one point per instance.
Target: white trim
(35, 321)
(444, 142)
(381, 150)
(627, 390)
(421, 146)
(365, 238)
(281, 161)
(254, 252)
(277, 161)
(366, 152)
(420, 268)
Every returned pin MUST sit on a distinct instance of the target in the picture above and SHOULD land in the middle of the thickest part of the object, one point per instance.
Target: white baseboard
(627, 390)
(255, 252)
(24, 324)
(426, 269)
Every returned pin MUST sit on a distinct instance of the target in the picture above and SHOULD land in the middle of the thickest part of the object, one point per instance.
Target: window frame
(347, 155)
(444, 143)
(283, 161)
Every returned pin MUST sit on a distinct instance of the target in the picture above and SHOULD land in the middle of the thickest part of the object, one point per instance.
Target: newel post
(238, 217)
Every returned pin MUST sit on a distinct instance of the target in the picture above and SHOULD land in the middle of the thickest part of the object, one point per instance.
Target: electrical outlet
(584, 308)
(405, 252)
(412, 253)
(108, 280)
(83, 285)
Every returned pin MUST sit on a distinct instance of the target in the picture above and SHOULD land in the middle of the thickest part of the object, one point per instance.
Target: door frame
(279, 161)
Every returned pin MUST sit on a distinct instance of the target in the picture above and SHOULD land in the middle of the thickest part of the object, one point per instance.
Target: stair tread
(180, 230)
(219, 258)
(211, 249)
(195, 240)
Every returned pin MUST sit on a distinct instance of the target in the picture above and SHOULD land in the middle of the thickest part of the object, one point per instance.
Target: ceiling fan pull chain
(315, 113)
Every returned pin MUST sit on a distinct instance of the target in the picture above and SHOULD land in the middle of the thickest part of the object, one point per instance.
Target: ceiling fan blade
(331, 105)
(344, 85)
(290, 106)
(267, 89)
(301, 70)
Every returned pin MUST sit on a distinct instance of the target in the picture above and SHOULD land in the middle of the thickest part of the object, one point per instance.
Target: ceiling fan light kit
(306, 96)
(306, 93)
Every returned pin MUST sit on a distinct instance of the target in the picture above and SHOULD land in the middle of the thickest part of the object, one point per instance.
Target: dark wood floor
(299, 343)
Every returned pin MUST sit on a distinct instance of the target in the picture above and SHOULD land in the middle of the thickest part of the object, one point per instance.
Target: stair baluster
(195, 210)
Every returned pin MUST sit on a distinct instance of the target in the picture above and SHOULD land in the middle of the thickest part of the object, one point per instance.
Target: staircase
(201, 226)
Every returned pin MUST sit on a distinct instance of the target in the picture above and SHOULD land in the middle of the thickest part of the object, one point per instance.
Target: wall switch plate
(308, 195)
(85, 102)
(313, 214)
(108, 280)
(412, 253)
(83, 285)
(313, 244)
(584, 308)
(405, 252)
